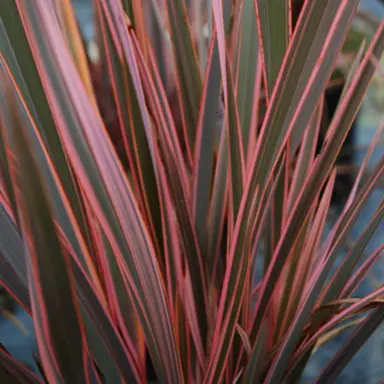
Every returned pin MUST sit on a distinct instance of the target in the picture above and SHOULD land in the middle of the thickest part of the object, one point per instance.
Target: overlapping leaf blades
(149, 245)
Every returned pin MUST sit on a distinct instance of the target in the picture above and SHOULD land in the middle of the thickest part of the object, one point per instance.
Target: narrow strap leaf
(353, 344)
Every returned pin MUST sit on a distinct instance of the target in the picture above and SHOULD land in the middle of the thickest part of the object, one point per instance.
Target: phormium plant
(167, 201)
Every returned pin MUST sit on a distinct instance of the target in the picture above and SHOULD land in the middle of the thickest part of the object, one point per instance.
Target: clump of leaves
(134, 220)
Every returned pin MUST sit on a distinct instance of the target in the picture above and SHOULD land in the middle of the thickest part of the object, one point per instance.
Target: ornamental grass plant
(144, 188)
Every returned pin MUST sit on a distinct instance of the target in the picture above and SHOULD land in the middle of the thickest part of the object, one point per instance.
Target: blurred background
(16, 330)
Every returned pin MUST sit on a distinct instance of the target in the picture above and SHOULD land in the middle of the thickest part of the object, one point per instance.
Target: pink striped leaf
(5, 172)
(356, 279)
(208, 128)
(247, 83)
(15, 49)
(359, 306)
(321, 168)
(218, 210)
(11, 248)
(11, 370)
(60, 204)
(320, 171)
(297, 91)
(66, 219)
(177, 177)
(232, 121)
(189, 83)
(345, 270)
(352, 346)
(59, 333)
(131, 112)
(100, 174)
(307, 255)
(9, 280)
(273, 22)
